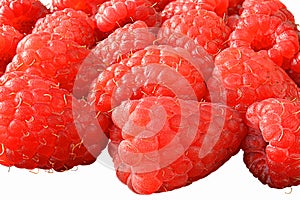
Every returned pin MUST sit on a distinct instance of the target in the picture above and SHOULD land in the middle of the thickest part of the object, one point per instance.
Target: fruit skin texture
(178, 7)
(154, 71)
(116, 13)
(267, 25)
(271, 148)
(181, 6)
(9, 38)
(123, 42)
(71, 24)
(243, 76)
(167, 143)
(22, 14)
(159, 5)
(88, 6)
(50, 56)
(206, 28)
(267, 7)
(43, 126)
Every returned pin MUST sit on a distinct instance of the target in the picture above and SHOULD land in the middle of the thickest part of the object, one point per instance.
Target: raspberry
(9, 38)
(88, 6)
(21, 14)
(271, 149)
(182, 6)
(243, 76)
(42, 126)
(218, 6)
(88, 71)
(71, 24)
(201, 59)
(51, 56)
(267, 7)
(169, 143)
(159, 5)
(116, 13)
(123, 41)
(265, 25)
(178, 7)
(154, 71)
(206, 28)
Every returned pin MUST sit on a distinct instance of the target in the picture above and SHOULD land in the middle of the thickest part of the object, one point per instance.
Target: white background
(98, 181)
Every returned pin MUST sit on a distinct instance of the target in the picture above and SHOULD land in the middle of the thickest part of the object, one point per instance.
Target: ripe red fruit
(271, 148)
(123, 42)
(153, 71)
(182, 6)
(267, 7)
(9, 38)
(206, 28)
(21, 14)
(218, 6)
(159, 5)
(178, 7)
(51, 56)
(243, 76)
(116, 13)
(70, 24)
(88, 6)
(267, 25)
(168, 143)
(43, 126)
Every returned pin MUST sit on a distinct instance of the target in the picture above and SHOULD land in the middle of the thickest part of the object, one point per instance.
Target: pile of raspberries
(172, 88)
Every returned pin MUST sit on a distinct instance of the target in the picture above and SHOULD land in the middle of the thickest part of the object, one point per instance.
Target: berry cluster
(172, 88)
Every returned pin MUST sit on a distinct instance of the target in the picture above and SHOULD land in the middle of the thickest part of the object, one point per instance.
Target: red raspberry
(70, 24)
(42, 126)
(182, 6)
(159, 5)
(154, 71)
(116, 13)
(50, 56)
(168, 143)
(123, 41)
(271, 150)
(178, 7)
(21, 14)
(267, 25)
(218, 6)
(243, 76)
(201, 59)
(88, 6)
(88, 71)
(206, 28)
(267, 7)
(9, 38)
